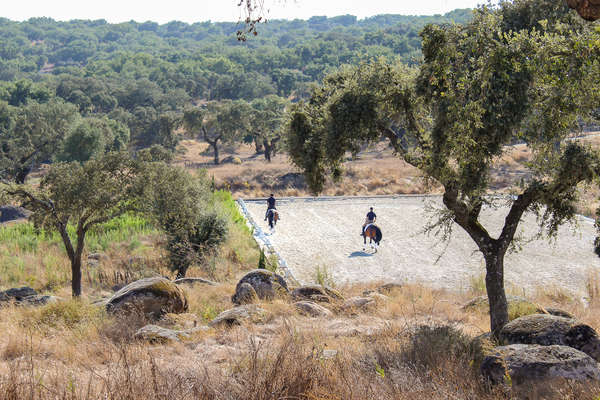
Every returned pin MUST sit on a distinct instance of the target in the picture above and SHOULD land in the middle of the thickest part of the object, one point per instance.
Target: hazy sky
(217, 10)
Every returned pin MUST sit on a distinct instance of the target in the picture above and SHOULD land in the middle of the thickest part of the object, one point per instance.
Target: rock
(237, 315)
(92, 263)
(359, 303)
(96, 256)
(328, 354)
(152, 296)
(17, 294)
(517, 306)
(525, 363)
(266, 284)
(312, 309)
(378, 297)
(546, 330)
(194, 281)
(158, 334)
(559, 313)
(245, 294)
(13, 213)
(37, 300)
(389, 287)
(322, 294)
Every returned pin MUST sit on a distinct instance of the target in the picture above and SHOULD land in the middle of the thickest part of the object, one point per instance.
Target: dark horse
(273, 217)
(374, 234)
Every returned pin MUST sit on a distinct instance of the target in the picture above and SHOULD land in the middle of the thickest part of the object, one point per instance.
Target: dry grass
(416, 345)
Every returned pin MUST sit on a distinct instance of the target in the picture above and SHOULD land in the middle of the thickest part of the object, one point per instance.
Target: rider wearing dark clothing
(371, 217)
(271, 202)
(270, 205)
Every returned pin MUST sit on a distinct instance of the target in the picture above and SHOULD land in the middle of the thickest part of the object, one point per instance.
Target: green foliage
(180, 205)
(262, 260)
(481, 86)
(92, 137)
(31, 134)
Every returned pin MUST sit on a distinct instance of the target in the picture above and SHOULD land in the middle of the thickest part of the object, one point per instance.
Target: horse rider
(270, 205)
(370, 219)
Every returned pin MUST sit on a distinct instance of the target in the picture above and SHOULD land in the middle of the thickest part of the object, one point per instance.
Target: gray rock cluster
(540, 347)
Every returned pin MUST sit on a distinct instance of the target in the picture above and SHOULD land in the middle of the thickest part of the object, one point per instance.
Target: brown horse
(374, 234)
(273, 217)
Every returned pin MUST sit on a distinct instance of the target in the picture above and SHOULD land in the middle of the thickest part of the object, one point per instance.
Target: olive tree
(82, 196)
(481, 87)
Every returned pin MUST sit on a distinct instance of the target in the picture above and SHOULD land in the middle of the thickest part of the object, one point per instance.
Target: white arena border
(263, 240)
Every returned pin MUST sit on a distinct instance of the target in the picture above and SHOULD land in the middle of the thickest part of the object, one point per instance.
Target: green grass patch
(25, 238)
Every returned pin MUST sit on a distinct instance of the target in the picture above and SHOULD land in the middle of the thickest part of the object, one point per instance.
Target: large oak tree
(481, 87)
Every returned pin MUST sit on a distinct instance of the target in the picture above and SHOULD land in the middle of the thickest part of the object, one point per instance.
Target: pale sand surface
(326, 234)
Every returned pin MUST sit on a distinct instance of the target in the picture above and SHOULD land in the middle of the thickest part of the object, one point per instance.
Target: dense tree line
(71, 91)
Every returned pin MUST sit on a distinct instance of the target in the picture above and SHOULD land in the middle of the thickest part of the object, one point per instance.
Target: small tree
(81, 196)
(481, 87)
(180, 205)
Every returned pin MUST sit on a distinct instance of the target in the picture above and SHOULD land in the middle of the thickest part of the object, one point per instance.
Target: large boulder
(526, 363)
(323, 294)
(546, 330)
(265, 283)
(13, 213)
(237, 315)
(153, 297)
(245, 294)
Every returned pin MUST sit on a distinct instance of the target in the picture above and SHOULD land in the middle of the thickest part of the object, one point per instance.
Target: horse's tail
(378, 234)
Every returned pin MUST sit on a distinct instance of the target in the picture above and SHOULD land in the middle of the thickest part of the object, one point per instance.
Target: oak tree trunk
(494, 283)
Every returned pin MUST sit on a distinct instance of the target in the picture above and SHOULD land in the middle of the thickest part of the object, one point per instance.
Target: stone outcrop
(245, 294)
(158, 334)
(12, 213)
(546, 330)
(237, 315)
(265, 283)
(312, 309)
(321, 294)
(17, 294)
(360, 304)
(153, 297)
(526, 363)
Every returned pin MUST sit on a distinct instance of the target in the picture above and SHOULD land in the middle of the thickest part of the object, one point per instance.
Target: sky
(190, 11)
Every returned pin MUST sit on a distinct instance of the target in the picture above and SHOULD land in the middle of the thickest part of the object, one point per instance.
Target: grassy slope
(74, 350)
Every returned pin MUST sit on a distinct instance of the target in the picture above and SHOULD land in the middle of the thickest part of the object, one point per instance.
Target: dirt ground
(324, 235)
